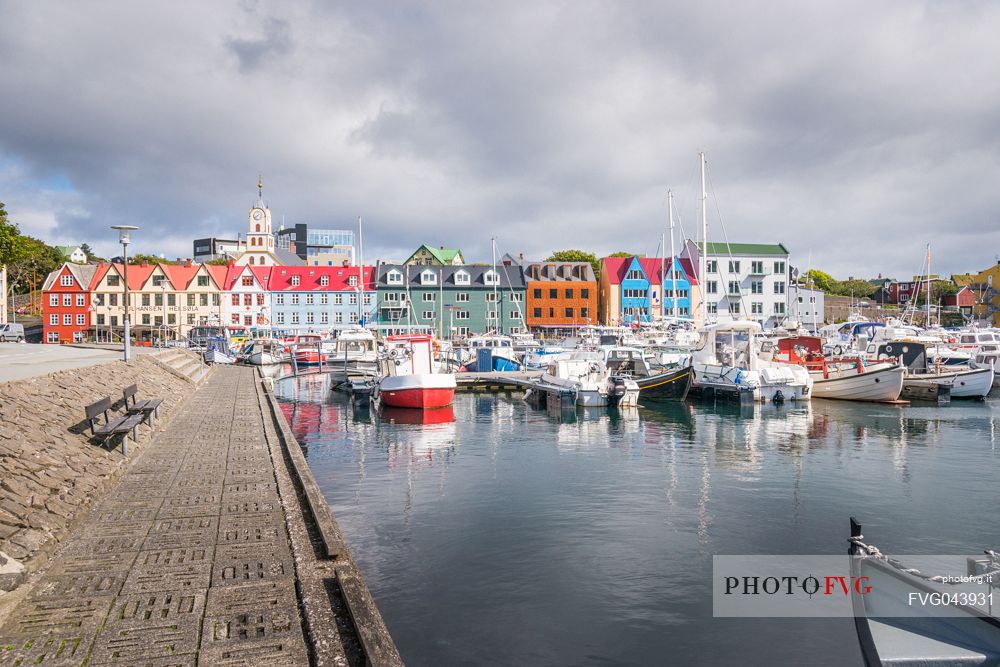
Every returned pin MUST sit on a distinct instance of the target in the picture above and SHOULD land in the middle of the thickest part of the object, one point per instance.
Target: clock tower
(259, 249)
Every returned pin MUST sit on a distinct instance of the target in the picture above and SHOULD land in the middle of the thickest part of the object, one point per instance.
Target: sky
(853, 132)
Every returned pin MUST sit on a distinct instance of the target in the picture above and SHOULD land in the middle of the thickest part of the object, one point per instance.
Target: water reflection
(585, 533)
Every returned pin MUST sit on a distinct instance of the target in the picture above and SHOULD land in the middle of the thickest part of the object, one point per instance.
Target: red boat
(408, 376)
(307, 350)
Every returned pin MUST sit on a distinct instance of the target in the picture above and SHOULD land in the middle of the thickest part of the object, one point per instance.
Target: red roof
(309, 278)
(617, 267)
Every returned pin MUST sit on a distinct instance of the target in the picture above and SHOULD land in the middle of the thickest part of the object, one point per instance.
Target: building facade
(963, 301)
(807, 306)
(559, 295)
(66, 303)
(211, 248)
(453, 301)
(247, 302)
(320, 298)
(641, 289)
(743, 280)
(425, 255)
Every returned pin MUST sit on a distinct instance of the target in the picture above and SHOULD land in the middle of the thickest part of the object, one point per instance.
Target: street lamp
(124, 232)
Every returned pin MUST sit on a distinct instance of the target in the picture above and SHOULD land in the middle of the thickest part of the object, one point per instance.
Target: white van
(12, 332)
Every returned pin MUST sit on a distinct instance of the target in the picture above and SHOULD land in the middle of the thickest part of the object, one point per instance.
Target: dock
(496, 380)
(216, 547)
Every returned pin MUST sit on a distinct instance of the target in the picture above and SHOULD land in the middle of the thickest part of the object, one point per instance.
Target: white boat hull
(879, 384)
(264, 359)
(729, 380)
(974, 383)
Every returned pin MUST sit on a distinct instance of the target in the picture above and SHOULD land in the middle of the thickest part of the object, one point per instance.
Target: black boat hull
(670, 386)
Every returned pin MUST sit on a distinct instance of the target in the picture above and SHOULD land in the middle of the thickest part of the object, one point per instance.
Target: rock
(11, 572)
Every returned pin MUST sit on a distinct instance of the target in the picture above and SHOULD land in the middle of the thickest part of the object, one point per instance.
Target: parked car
(12, 332)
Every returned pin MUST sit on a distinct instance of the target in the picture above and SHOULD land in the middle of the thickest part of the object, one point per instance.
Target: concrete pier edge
(346, 581)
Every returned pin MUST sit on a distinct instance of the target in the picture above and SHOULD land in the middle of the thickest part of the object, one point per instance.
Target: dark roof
(554, 271)
(510, 276)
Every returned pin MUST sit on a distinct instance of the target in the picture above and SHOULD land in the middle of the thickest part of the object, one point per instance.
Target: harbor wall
(51, 473)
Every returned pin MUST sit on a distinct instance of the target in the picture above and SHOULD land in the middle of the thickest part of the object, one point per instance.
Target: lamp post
(124, 232)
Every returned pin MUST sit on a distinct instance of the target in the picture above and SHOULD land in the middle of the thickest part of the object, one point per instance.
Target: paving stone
(105, 545)
(261, 529)
(179, 532)
(78, 585)
(253, 625)
(237, 564)
(152, 625)
(59, 616)
(46, 650)
(199, 503)
(247, 505)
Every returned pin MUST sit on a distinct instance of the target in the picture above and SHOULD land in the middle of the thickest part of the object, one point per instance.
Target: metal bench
(113, 424)
(149, 408)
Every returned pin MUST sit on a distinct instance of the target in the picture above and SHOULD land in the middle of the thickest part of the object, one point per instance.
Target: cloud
(853, 133)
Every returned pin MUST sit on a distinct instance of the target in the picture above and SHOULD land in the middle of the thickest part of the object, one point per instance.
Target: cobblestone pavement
(186, 562)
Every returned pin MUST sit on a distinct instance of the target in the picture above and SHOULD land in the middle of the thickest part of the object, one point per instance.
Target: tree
(28, 260)
(91, 257)
(621, 253)
(219, 261)
(576, 256)
(860, 289)
(149, 259)
(819, 279)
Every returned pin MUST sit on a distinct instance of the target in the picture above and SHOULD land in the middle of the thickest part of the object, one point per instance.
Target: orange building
(560, 295)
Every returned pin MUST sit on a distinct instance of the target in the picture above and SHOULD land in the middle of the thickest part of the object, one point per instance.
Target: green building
(453, 301)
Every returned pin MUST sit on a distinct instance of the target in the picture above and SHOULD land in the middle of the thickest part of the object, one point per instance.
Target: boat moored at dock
(408, 376)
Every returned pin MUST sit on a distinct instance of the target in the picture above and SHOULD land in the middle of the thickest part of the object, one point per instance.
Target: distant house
(66, 303)
(640, 289)
(963, 301)
(72, 253)
(425, 255)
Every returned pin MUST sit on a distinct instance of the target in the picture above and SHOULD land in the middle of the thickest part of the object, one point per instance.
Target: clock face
(257, 214)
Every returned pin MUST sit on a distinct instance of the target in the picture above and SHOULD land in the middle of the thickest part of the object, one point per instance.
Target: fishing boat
(585, 378)
(966, 382)
(727, 365)
(307, 350)
(892, 631)
(263, 352)
(667, 385)
(408, 376)
(218, 352)
(356, 348)
(843, 378)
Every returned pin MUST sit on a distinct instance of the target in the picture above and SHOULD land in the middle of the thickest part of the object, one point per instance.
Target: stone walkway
(186, 562)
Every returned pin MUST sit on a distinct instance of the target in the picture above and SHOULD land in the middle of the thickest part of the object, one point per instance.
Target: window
(394, 278)
(338, 299)
(80, 300)
(354, 318)
(309, 299)
(66, 280)
(713, 308)
(216, 299)
(203, 299)
(569, 292)
(757, 267)
(712, 287)
(757, 308)
(247, 281)
(100, 319)
(190, 300)
(537, 312)
(202, 281)
(248, 299)
(584, 293)
(734, 266)
(296, 280)
(553, 293)
(67, 299)
(516, 297)
(462, 297)
(634, 294)
(428, 278)
(172, 300)
(158, 280)
(145, 318)
(54, 320)
(309, 318)
(537, 292)
(461, 278)
(491, 278)
(461, 314)
(734, 308)
(279, 299)
(368, 298)
(779, 267)
(635, 274)
(53, 299)
(324, 299)
(352, 299)
(734, 287)
(585, 313)
(295, 317)
(114, 280)
(391, 296)
(235, 319)
(515, 314)
(295, 299)
(260, 298)
(67, 320)
(429, 296)
(338, 317)
(236, 300)
(569, 312)
(711, 266)
(112, 299)
(158, 321)
(280, 318)
(171, 318)
(757, 287)
(324, 317)
(248, 319)
(158, 300)
(114, 320)
(492, 297)
(779, 308)
(77, 336)
(779, 287)
(353, 281)
(491, 315)
(428, 314)
(324, 281)
(145, 299)
(52, 337)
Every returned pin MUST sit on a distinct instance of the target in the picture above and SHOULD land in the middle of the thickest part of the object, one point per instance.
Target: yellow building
(986, 286)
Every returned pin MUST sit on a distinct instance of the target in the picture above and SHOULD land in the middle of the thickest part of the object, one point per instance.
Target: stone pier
(213, 549)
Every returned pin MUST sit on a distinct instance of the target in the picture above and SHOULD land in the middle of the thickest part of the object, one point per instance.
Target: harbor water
(508, 535)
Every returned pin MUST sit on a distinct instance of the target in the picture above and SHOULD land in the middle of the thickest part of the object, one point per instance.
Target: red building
(66, 303)
(963, 301)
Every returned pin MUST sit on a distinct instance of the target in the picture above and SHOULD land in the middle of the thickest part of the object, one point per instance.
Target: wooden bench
(148, 408)
(113, 424)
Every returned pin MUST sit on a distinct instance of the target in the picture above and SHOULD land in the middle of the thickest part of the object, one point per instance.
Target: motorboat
(490, 353)
(356, 348)
(665, 385)
(964, 382)
(307, 350)
(843, 378)
(540, 358)
(217, 351)
(894, 631)
(984, 346)
(585, 378)
(727, 365)
(408, 376)
(263, 352)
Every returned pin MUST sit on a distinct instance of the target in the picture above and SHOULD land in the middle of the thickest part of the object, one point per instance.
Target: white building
(805, 306)
(743, 281)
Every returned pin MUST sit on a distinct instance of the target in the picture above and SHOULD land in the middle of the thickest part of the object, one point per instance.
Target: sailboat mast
(928, 297)
(663, 275)
(703, 256)
(361, 274)
(673, 253)
(496, 280)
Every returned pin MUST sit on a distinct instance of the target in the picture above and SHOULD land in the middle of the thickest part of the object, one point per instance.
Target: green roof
(66, 250)
(443, 255)
(745, 248)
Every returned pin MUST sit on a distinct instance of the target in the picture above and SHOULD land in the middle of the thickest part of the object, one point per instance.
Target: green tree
(140, 258)
(28, 260)
(219, 261)
(621, 253)
(92, 258)
(576, 256)
(861, 289)
(819, 279)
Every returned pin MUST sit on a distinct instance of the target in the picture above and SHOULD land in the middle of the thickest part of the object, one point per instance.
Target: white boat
(218, 352)
(849, 379)
(984, 346)
(585, 375)
(727, 365)
(356, 348)
(540, 358)
(408, 375)
(964, 382)
(264, 352)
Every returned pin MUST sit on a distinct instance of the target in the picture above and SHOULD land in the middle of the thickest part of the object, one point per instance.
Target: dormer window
(428, 278)
(66, 280)
(247, 281)
(295, 281)
(491, 278)
(324, 281)
(462, 278)
(353, 281)
(394, 278)
(158, 280)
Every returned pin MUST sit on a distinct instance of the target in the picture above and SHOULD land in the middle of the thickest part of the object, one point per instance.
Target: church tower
(260, 241)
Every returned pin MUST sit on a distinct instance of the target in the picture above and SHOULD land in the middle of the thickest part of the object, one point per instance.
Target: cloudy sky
(854, 133)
